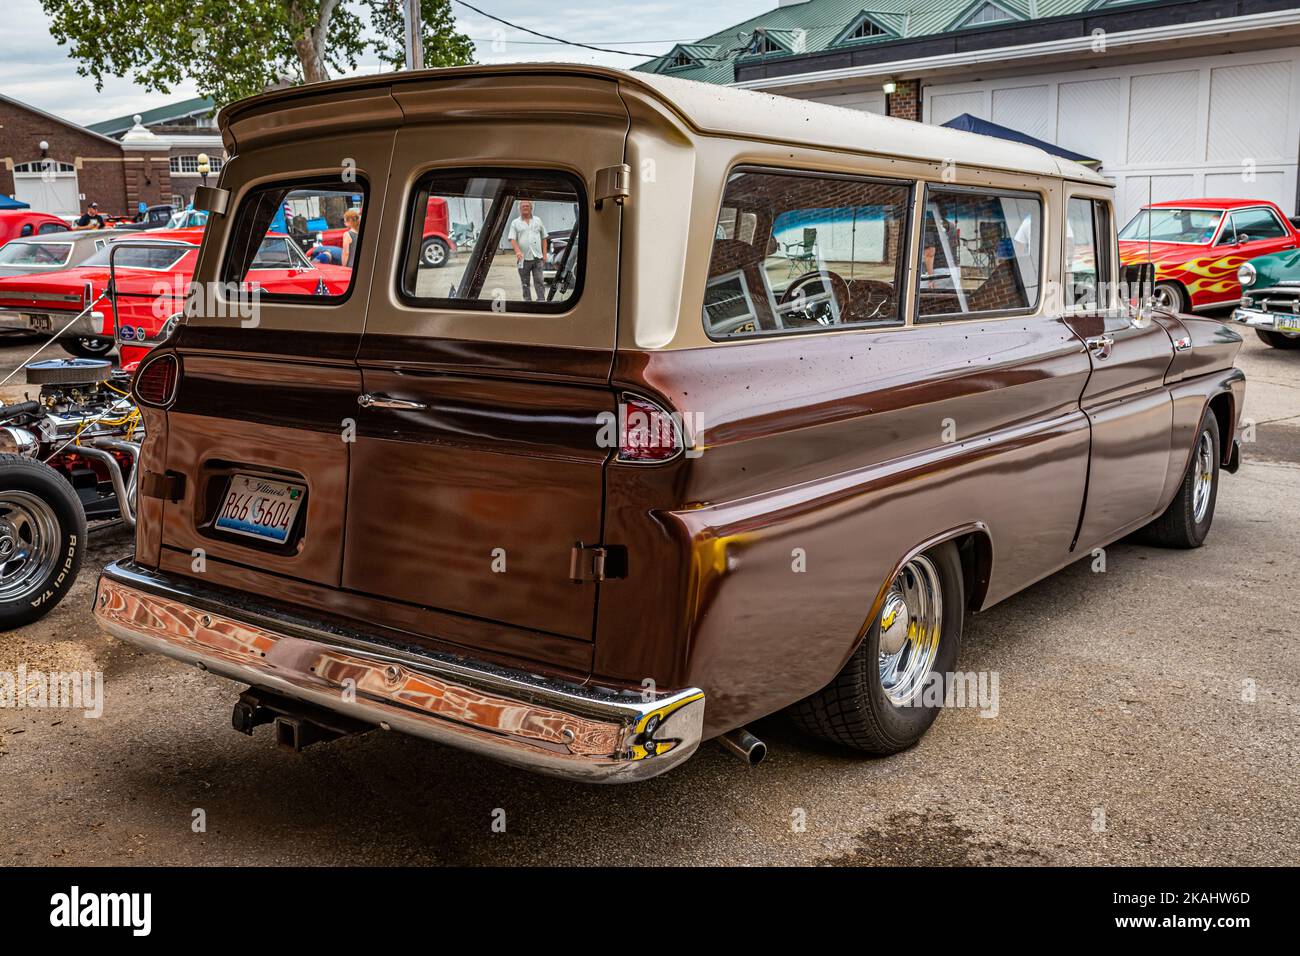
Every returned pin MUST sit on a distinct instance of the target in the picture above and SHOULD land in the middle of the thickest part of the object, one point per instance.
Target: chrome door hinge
(613, 182)
(589, 562)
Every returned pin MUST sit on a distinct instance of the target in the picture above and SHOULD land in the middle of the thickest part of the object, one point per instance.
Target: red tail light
(155, 382)
(646, 433)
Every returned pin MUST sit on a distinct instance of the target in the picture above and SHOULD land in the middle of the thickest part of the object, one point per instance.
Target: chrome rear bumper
(85, 326)
(579, 732)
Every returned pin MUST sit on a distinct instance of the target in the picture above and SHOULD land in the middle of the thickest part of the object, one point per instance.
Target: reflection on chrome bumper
(1257, 318)
(544, 725)
(49, 323)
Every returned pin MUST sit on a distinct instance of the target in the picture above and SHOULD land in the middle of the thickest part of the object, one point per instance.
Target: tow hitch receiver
(297, 724)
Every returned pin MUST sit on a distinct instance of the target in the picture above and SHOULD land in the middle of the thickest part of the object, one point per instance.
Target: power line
(566, 43)
(547, 36)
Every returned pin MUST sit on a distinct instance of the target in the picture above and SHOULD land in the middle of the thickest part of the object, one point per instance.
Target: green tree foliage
(235, 48)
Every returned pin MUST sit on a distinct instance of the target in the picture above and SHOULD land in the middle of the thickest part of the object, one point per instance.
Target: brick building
(52, 163)
(58, 167)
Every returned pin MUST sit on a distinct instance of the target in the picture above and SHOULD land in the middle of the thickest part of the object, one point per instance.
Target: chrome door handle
(1100, 345)
(383, 401)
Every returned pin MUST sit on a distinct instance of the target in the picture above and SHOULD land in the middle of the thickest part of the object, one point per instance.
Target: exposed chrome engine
(84, 424)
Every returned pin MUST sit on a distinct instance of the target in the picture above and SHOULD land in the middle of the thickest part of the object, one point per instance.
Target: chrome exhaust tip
(744, 745)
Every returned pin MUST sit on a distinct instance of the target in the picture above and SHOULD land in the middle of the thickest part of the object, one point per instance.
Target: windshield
(186, 218)
(140, 257)
(46, 254)
(279, 253)
(1174, 225)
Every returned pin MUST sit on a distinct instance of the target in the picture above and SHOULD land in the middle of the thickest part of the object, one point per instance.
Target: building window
(865, 31)
(764, 44)
(679, 60)
(189, 164)
(44, 166)
(987, 14)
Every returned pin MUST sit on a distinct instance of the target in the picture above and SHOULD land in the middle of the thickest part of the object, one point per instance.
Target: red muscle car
(1197, 246)
(153, 276)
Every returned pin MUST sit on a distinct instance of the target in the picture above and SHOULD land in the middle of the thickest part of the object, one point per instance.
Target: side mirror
(1137, 288)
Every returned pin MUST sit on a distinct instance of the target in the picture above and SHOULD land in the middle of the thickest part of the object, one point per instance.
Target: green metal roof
(818, 25)
(161, 114)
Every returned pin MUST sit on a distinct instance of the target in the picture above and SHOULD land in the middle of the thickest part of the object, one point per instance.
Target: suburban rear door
(477, 467)
(267, 387)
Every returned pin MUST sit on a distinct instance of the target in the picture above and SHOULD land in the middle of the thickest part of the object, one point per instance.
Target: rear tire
(42, 539)
(882, 702)
(1186, 522)
(87, 347)
(1278, 340)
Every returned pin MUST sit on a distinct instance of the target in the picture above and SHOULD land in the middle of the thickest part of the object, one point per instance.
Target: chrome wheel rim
(1166, 299)
(911, 623)
(1204, 480)
(29, 544)
(433, 254)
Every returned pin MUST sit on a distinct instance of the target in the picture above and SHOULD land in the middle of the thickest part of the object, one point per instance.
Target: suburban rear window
(495, 240)
(981, 251)
(298, 240)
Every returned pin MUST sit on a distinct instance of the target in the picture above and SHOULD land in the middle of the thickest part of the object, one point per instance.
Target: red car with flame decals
(1197, 246)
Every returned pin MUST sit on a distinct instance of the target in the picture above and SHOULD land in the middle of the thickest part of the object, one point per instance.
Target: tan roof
(727, 111)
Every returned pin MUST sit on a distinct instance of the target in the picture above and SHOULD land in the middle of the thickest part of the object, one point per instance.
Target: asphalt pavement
(1147, 714)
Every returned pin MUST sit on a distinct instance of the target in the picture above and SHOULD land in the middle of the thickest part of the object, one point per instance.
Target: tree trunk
(310, 45)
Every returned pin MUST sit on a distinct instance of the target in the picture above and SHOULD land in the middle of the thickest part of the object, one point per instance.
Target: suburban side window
(1253, 224)
(796, 252)
(297, 240)
(1080, 255)
(491, 240)
(1088, 267)
(981, 251)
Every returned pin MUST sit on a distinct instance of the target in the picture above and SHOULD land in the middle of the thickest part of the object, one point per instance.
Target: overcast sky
(36, 70)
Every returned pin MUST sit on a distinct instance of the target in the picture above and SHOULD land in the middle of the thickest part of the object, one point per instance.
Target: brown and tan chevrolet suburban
(721, 404)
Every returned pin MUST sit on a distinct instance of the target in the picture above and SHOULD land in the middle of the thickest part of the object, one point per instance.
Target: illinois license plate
(260, 508)
(1287, 323)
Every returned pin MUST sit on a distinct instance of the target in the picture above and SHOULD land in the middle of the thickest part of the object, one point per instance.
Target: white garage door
(1224, 126)
(48, 186)
(869, 101)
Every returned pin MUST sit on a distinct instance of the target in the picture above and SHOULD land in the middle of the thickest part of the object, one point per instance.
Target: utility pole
(414, 42)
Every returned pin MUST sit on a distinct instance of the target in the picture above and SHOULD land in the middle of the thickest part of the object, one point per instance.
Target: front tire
(884, 700)
(1172, 297)
(1278, 340)
(1186, 522)
(87, 346)
(42, 538)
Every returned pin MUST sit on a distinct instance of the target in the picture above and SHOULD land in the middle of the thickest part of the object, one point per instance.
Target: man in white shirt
(528, 236)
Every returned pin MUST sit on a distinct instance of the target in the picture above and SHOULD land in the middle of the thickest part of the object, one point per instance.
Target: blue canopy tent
(7, 203)
(973, 124)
